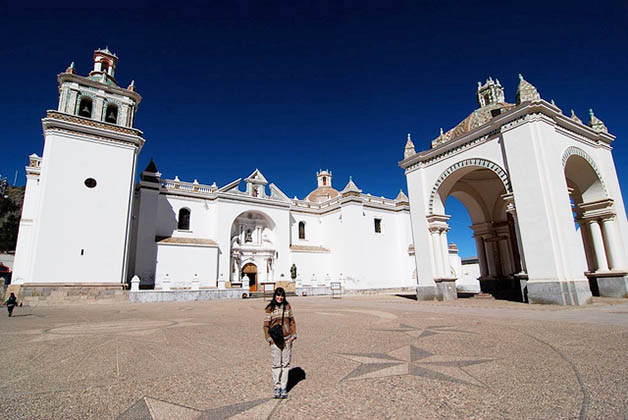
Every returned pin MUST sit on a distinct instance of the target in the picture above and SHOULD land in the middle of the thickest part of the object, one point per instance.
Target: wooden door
(251, 272)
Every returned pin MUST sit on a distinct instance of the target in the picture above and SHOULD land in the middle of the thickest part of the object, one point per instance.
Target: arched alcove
(253, 242)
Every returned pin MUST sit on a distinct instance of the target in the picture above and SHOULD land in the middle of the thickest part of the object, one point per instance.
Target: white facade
(84, 223)
(251, 227)
(517, 168)
(75, 225)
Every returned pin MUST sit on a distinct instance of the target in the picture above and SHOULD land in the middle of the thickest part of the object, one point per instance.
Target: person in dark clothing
(11, 301)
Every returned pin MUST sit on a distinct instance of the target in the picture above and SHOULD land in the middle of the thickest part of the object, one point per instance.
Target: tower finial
(71, 69)
(526, 91)
(409, 149)
(596, 124)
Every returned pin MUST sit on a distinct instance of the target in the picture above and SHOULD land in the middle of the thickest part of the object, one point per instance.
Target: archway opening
(253, 245)
(477, 197)
(594, 216)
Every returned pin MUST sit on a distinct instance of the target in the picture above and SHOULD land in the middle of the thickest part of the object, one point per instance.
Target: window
(184, 219)
(111, 115)
(104, 66)
(85, 108)
(301, 230)
(324, 180)
(378, 225)
(90, 182)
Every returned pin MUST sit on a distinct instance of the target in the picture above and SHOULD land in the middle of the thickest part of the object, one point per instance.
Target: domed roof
(477, 118)
(321, 194)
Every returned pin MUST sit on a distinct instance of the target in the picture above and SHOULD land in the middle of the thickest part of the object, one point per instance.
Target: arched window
(301, 230)
(104, 66)
(324, 180)
(184, 219)
(85, 107)
(111, 115)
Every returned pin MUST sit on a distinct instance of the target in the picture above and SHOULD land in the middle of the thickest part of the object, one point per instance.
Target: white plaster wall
(146, 223)
(552, 248)
(201, 225)
(182, 262)
(313, 232)
(424, 256)
(25, 243)
(468, 279)
(313, 265)
(72, 217)
(226, 211)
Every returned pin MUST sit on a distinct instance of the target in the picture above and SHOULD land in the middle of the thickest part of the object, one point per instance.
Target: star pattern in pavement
(413, 361)
(148, 408)
(425, 332)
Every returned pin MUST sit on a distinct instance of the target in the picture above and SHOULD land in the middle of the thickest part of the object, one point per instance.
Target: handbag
(276, 332)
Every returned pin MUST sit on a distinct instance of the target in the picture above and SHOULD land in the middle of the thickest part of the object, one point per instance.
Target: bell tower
(324, 178)
(83, 201)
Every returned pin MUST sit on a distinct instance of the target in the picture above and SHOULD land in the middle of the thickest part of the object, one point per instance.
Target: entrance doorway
(250, 270)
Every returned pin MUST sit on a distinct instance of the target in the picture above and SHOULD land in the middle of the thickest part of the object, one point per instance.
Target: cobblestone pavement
(357, 357)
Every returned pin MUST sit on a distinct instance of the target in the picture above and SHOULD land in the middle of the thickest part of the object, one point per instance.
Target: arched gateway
(522, 171)
(253, 249)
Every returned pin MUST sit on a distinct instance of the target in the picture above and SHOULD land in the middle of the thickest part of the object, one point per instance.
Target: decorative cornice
(56, 115)
(528, 111)
(169, 240)
(308, 248)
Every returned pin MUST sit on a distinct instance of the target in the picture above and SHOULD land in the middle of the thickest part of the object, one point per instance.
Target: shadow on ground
(295, 375)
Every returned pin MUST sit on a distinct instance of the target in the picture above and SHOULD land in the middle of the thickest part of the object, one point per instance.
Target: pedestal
(135, 284)
(612, 284)
(575, 292)
(446, 289)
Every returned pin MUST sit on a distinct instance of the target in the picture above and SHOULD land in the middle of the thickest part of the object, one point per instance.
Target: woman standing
(280, 331)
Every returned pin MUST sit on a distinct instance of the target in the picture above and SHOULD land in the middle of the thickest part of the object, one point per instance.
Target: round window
(90, 182)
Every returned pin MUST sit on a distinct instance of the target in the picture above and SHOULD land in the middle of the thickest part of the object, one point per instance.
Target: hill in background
(10, 211)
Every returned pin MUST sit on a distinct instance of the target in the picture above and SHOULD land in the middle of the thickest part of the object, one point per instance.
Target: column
(438, 269)
(490, 256)
(586, 243)
(522, 259)
(611, 244)
(479, 244)
(598, 246)
(444, 249)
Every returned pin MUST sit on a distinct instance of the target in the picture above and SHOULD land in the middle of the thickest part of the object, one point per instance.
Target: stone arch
(573, 150)
(479, 162)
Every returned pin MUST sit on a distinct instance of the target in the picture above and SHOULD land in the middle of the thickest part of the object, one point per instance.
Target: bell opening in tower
(85, 108)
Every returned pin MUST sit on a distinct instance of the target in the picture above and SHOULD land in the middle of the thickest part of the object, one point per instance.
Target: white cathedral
(523, 170)
(177, 235)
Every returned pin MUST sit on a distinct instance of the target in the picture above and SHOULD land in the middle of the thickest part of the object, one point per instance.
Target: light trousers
(281, 364)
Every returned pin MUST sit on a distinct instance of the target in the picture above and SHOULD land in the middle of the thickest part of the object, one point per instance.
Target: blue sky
(292, 88)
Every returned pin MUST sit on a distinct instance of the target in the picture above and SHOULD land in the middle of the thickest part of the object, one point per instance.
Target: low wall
(324, 290)
(144, 296)
(43, 295)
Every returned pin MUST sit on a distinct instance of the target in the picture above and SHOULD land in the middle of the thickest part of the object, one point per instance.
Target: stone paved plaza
(362, 357)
